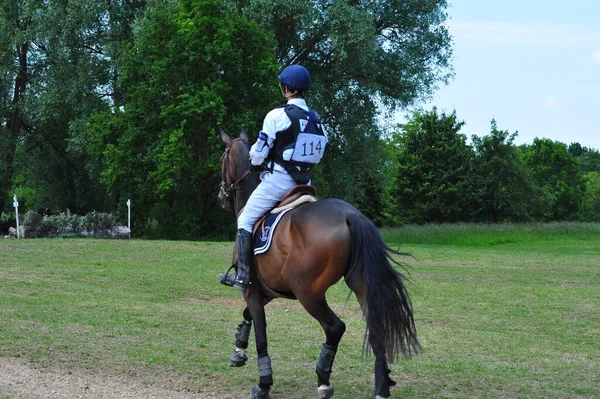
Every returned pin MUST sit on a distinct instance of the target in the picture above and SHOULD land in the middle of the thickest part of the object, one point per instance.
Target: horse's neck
(242, 194)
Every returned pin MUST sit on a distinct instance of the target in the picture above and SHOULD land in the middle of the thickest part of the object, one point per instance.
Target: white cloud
(553, 102)
(511, 34)
(595, 56)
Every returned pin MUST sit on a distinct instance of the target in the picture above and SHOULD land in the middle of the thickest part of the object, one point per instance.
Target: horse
(315, 245)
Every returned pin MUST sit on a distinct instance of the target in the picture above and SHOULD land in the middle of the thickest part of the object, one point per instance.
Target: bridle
(228, 191)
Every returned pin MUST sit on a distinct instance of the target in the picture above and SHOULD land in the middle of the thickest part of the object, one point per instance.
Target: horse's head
(237, 182)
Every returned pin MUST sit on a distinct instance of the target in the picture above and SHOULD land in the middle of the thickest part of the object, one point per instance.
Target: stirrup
(226, 279)
(240, 285)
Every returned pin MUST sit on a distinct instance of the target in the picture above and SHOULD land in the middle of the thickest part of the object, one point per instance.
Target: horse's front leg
(238, 357)
(256, 304)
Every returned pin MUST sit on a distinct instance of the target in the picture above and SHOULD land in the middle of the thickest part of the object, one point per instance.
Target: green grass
(502, 312)
(464, 234)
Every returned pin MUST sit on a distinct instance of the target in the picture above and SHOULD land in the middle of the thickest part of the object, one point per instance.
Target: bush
(69, 225)
(99, 223)
(94, 224)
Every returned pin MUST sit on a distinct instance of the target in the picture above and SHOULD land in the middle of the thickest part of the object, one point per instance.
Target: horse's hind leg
(334, 329)
(238, 357)
(383, 382)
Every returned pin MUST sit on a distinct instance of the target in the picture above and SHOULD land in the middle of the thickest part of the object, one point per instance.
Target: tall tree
(558, 174)
(16, 34)
(502, 185)
(588, 158)
(591, 197)
(63, 76)
(364, 56)
(195, 65)
(434, 162)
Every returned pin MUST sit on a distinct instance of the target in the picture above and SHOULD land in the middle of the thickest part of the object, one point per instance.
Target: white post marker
(129, 216)
(16, 205)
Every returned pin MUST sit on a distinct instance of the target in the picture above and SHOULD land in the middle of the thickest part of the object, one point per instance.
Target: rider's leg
(268, 193)
(243, 240)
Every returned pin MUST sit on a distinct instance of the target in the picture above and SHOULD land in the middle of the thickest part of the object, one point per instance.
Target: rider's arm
(275, 121)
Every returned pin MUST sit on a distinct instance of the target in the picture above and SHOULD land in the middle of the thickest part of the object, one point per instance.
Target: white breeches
(268, 193)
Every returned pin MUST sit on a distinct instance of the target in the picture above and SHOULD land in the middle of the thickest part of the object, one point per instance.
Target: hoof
(325, 391)
(258, 393)
(237, 359)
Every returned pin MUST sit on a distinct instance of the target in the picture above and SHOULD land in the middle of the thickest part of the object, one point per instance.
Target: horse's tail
(388, 308)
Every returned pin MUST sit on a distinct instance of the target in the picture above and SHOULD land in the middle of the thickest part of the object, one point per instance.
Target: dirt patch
(20, 379)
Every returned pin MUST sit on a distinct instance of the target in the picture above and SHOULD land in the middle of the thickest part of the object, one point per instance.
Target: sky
(533, 66)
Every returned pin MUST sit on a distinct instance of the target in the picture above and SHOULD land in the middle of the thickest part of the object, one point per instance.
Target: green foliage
(491, 235)
(588, 158)
(591, 197)
(95, 224)
(195, 65)
(502, 186)
(65, 225)
(363, 56)
(434, 164)
(63, 70)
(557, 173)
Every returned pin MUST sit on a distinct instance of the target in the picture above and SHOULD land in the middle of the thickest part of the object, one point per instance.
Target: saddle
(298, 195)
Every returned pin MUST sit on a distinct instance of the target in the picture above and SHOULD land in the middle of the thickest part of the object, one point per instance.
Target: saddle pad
(264, 234)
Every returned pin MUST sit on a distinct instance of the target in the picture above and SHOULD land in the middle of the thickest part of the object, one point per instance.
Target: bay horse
(315, 245)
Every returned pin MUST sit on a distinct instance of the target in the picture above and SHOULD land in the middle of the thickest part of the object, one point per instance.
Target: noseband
(228, 191)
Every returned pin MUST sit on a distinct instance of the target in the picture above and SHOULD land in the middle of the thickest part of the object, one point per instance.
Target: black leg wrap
(243, 333)
(265, 372)
(382, 379)
(325, 363)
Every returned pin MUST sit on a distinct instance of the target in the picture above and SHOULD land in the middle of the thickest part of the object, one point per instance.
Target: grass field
(502, 312)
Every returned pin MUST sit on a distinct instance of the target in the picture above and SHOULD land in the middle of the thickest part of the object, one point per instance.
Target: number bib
(309, 148)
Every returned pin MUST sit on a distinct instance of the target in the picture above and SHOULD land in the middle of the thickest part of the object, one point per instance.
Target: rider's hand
(257, 168)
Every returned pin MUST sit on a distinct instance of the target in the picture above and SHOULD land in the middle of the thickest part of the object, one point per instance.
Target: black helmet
(296, 77)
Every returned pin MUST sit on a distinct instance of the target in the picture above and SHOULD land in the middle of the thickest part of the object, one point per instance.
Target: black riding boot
(243, 240)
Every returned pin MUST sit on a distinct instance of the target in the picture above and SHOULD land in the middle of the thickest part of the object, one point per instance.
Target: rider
(291, 142)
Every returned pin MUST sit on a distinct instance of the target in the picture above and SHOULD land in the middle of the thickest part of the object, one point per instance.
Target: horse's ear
(225, 138)
(243, 135)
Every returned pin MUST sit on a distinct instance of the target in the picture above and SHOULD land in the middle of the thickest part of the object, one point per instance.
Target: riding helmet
(296, 77)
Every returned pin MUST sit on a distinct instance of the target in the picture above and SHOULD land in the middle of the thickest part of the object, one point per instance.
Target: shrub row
(94, 224)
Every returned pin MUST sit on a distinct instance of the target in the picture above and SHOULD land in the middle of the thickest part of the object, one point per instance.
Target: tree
(591, 197)
(588, 158)
(99, 103)
(364, 57)
(195, 65)
(433, 167)
(15, 38)
(63, 57)
(502, 185)
(557, 173)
